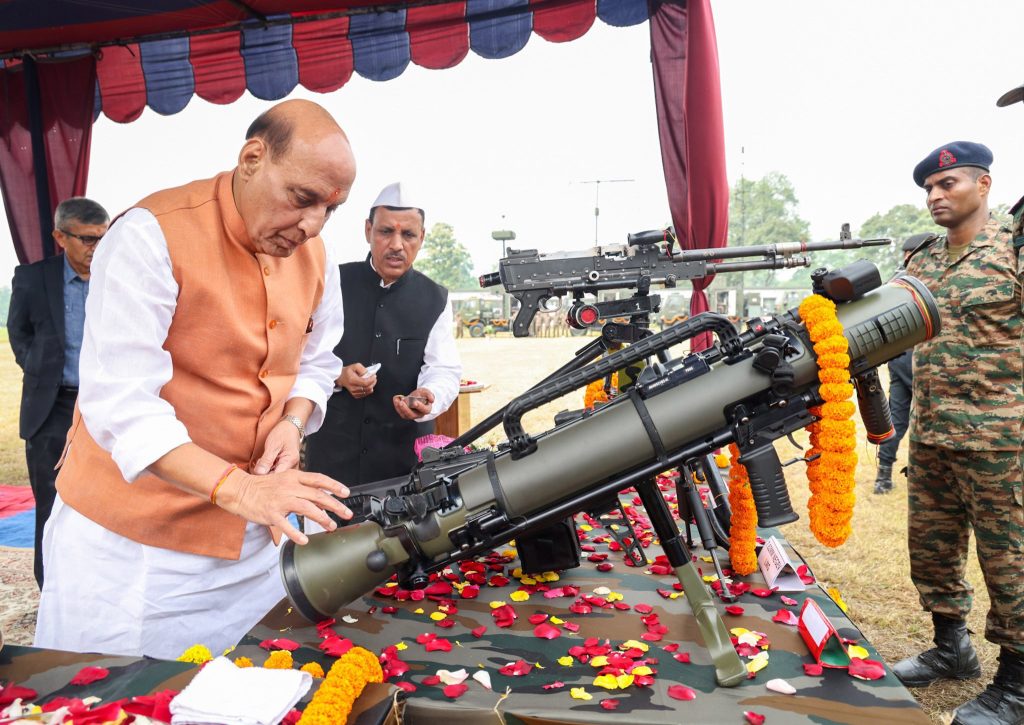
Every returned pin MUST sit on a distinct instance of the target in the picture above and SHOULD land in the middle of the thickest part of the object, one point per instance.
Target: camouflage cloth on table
(987, 485)
(544, 695)
(968, 391)
(49, 673)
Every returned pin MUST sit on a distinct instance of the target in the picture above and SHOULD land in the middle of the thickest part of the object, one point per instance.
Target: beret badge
(946, 158)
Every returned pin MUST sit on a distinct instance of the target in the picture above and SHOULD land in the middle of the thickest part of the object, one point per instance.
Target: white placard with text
(778, 571)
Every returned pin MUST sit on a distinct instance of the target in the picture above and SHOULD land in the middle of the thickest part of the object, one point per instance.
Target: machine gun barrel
(533, 278)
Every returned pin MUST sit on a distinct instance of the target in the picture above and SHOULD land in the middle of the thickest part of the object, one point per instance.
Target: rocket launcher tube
(599, 454)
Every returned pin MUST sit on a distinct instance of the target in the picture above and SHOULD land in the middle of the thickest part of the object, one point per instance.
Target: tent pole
(35, 124)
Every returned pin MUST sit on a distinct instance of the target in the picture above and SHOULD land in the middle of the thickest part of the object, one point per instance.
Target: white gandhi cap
(398, 195)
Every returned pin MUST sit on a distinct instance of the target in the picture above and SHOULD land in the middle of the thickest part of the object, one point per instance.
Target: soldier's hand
(271, 498)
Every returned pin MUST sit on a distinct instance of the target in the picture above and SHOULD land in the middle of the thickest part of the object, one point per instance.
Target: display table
(544, 695)
(458, 418)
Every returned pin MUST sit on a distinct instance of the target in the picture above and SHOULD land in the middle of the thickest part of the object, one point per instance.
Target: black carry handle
(874, 407)
(768, 484)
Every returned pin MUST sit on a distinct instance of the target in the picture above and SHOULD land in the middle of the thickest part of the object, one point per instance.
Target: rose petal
(758, 592)
(406, 686)
(734, 610)
(866, 669)
(681, 692)
(336, 646)
(780, 686)
(431, 680)
(610, 703)
(87, 675)
(553, 686)
(547, 631)
(455, 691)
(453, 678)
(753, 718)
(784, 616)
(788, 601)
(438, 645)
(483, 677)
(812, 670)
(683, 657)
(537, 618)
(516, 669)
(11, 692)
(479, 631)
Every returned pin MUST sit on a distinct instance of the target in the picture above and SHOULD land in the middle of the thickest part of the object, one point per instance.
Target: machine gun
(751, 388)
(646, 259)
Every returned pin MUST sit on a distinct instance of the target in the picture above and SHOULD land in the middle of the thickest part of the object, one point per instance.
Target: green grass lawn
(12, 449)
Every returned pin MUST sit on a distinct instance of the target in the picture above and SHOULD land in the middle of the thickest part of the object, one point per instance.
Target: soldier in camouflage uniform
(965, 469)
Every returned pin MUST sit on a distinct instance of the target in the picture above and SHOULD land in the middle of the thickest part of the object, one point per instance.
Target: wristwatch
(297, 422)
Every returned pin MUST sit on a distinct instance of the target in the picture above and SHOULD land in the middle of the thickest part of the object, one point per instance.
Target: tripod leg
(702, 517)
(729, 668)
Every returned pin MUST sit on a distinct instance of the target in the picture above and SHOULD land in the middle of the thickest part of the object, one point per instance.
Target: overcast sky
(842, 97)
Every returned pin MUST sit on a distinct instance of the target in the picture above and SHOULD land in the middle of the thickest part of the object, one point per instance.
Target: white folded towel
(224, 693)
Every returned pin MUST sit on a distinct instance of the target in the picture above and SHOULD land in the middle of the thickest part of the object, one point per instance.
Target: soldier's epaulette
(1017, 207)
(927, 242)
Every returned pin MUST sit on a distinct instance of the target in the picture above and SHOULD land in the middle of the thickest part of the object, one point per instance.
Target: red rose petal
(681, 692)
(479, 631)
(547, 631)
(784, 616)
(156, 706)
(537, 618)
(683, 657)
(470, 591)
(553, 686)
(610, 703)
(445, 623)
(336, 646)
(571, 627)
(425, 637)
(292, 717)
(761, 592)
(455, 691)
(734, 609)
(431, 680)
(643, 680)
(674, 647)
(813, 670)
(516, 669)
(866, 669)
(753, 718)
(406, 686)
(643, 609)
(805, 574)
(788, 601)
(438, 645)
(272, 644)
(87, 675)
(388, 610)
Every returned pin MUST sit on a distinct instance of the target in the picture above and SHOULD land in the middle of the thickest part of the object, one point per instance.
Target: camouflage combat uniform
(965, 434)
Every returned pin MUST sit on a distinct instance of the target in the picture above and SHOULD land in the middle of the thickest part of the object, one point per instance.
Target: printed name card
(778, 571)
(821, 637)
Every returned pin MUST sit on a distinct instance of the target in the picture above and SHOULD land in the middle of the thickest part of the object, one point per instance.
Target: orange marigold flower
(314, 669)
(279, 659)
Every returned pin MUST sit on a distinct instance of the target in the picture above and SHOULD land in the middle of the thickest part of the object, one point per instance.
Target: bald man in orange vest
(206, 357)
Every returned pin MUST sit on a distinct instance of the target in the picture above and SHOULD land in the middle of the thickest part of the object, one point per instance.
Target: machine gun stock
(646, 259)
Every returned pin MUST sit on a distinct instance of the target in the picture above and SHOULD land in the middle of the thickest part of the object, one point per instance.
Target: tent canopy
(67, 61)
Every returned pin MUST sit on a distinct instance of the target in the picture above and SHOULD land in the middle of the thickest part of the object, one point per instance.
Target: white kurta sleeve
(442, 369)
(123, 366)
(319, 366)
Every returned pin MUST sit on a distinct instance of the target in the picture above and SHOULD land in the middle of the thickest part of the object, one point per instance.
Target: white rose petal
(781, 686)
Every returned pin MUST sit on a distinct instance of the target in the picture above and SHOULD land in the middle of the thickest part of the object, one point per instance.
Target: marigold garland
(345, 681)
(596, 393)
(742, 532)
(833, 437)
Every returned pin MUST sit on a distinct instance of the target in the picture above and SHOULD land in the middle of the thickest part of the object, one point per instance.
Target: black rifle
(647, 259)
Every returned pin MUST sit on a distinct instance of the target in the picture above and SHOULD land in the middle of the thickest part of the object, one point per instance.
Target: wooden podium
(457, 419)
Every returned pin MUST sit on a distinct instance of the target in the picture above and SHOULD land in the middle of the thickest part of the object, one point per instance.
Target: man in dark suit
(45, 323)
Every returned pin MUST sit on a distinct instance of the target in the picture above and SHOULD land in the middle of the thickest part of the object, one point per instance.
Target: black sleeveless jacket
(365, 440)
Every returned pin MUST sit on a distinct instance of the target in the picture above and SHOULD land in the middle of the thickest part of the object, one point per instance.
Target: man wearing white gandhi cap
(401, 321)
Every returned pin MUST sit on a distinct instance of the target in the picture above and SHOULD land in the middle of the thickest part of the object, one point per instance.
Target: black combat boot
(883, 481)
(1002, 702)
(953, 656)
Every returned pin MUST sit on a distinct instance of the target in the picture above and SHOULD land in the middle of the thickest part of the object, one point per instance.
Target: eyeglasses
(87, 239)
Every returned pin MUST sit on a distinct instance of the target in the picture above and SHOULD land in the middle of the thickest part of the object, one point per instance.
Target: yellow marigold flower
(314, 669)
(197, 654)
(243, 662)
(279, 659)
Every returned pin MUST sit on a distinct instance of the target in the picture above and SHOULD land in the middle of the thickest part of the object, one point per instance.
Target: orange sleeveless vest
(236, 339)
